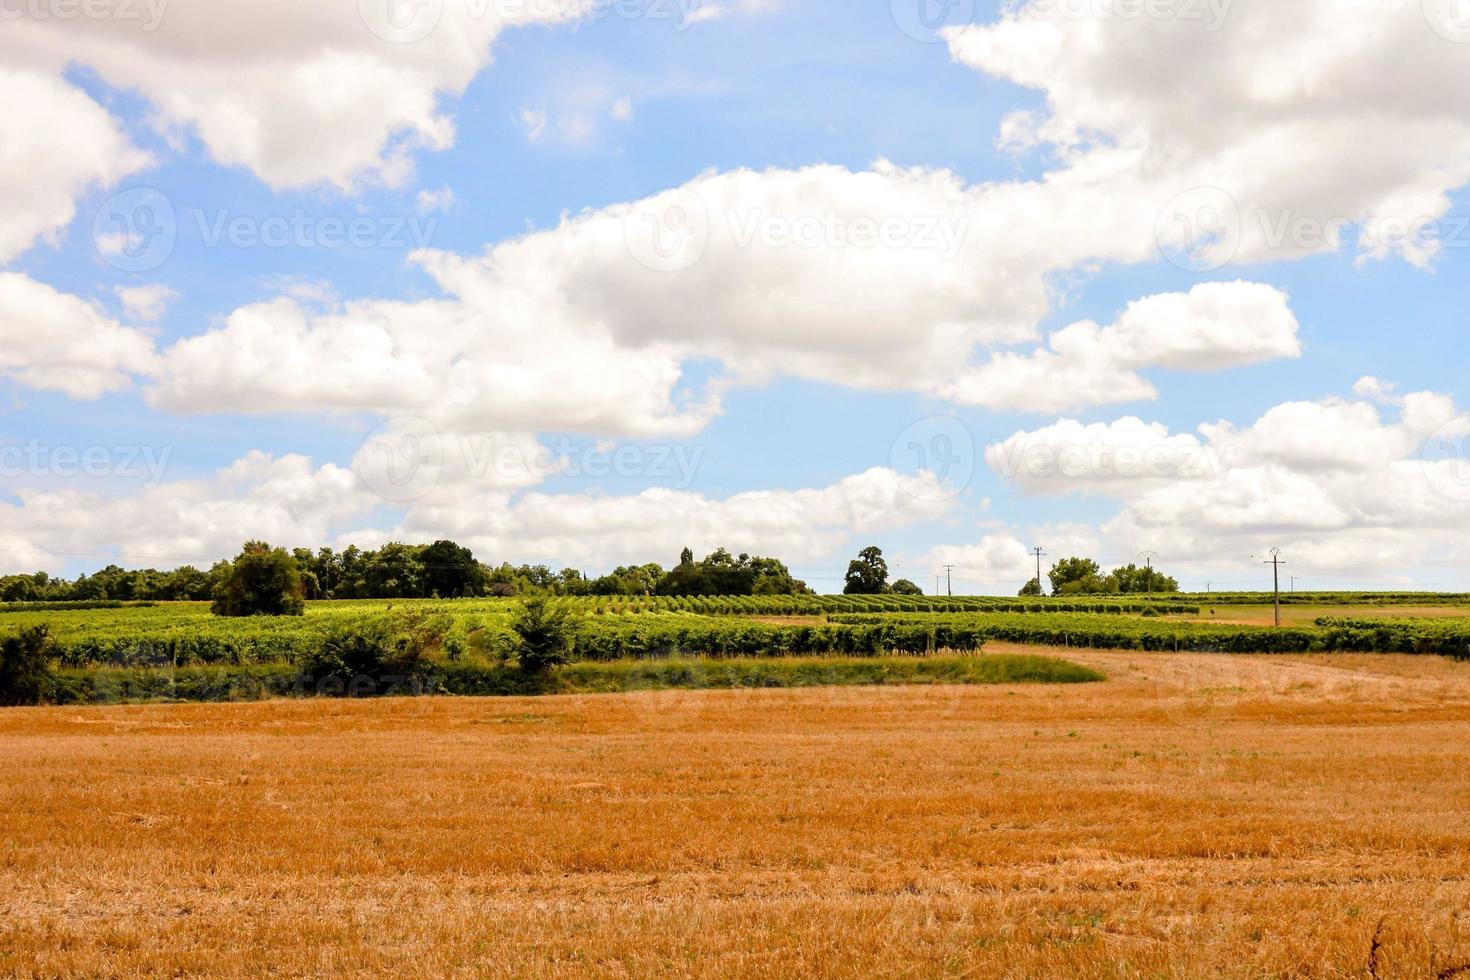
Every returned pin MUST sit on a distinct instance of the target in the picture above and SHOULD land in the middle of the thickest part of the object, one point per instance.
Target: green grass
(113, 685)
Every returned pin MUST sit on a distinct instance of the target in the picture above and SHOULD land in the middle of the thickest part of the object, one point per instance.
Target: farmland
(1193, 816)
(113, 652)
(764, 786)
(183, 634)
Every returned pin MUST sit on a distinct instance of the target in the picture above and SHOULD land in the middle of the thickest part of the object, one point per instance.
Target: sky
(586, 281)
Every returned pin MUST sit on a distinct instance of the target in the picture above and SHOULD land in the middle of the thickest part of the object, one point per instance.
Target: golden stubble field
(1194, 816)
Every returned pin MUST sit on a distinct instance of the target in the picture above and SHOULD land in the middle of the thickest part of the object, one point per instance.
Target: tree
(722, 573)
(1135, 580)
(868, 574)
(1071, 576)
(450, 571)
(25, 667)
(1032, 587)
(543, 636)
(262, 581)
(904, 587)
(628, 580)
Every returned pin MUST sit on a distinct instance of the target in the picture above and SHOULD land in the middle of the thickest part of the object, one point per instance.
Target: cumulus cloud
(289, 500)
(1002, 562)
(59, 144)
(57, 342)
(596, 529)
(146, 303)
(1120, 456)
(283, 499)
(1307, 147)
(1212, 327)
(479, 362)
(1338, 483)
(890, 280)
(299, 94)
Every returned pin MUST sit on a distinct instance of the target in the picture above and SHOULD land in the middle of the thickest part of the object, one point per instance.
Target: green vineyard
(603, 630)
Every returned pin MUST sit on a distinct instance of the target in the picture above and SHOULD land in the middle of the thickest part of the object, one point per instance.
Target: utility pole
(947, 581)
(1039, 553)
(1276, 564)
(1148, 559)
(936, 583)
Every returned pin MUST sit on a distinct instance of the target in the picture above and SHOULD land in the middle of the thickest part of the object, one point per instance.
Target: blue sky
(565, 130)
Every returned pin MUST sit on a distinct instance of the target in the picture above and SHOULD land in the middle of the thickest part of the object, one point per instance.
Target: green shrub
(263, 581)
(25, 668)
(376, 657)
(543, 636)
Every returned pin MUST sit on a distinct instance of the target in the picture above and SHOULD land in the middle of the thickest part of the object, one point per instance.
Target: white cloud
(58, 145)
(890, 280)
(299, 94)
(57, 342)
(479, 362)
(710, 10)
(1117, 457)
(146, 303)
(285, 500)
(1340, 485)
(1212, 327)
(1000, 562)
(622, 109)
(289, 501)
(1314, 116)
(595, 529)
(429, 201)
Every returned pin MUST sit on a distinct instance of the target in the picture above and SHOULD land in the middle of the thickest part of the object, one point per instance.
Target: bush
(376, 657)
(543, 636)
(263, 581)
(25, 668)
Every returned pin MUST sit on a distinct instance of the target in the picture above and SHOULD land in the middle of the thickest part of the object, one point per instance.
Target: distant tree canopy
(904, 587)
(115, 583)
(1083, 576)
(629, 580)
(1133, 579)
(867, 574)
(443, 569)
(1032, 587)
(262, 581)
(724, 574)
(1076, 576)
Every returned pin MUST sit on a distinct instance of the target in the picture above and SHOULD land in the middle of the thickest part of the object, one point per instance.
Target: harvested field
(1195, 815)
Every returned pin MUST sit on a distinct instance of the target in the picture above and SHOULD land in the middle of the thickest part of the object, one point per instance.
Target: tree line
(443, 569)
(1083, 576)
